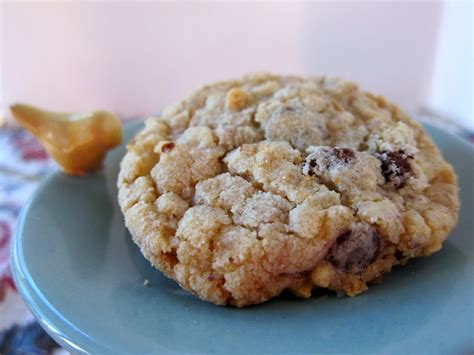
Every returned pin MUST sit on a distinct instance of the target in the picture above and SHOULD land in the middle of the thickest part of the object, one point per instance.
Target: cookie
(253, 186)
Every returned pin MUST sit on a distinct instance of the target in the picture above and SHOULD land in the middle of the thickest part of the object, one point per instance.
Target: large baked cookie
(250, 187)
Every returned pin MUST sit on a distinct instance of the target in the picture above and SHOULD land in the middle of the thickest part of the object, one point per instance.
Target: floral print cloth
(23, 164)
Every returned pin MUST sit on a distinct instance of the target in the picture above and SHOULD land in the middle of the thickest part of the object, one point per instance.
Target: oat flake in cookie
(253, 186)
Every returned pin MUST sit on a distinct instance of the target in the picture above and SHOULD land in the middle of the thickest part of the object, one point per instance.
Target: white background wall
(136, 58)
(451, 91)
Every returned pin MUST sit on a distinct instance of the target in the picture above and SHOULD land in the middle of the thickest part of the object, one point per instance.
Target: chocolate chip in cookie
(344, 154)
(354, 250)
(395, 167)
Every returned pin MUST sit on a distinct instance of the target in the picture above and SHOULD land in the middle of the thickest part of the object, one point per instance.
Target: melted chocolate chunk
(354, 250)
(395, 167)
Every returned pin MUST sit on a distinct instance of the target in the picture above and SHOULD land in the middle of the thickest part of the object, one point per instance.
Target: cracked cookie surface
(253, 186)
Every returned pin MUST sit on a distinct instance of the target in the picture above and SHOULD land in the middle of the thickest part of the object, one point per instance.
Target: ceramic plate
(77, 268)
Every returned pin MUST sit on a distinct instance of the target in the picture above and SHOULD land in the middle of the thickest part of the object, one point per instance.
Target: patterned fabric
(23, 164)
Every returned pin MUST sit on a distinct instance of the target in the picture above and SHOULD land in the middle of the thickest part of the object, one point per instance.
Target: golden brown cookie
(250, 187)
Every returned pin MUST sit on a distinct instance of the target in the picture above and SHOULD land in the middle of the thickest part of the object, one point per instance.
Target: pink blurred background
(136, 58)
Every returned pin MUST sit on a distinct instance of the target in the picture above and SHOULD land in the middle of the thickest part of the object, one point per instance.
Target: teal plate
(78, 270)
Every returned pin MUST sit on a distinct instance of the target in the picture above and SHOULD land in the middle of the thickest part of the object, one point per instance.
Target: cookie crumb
(146, 283)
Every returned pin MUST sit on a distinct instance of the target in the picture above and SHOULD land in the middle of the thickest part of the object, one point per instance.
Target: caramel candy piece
(78, 142)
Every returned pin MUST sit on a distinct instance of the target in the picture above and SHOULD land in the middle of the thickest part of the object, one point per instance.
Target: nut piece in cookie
(237, 99)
